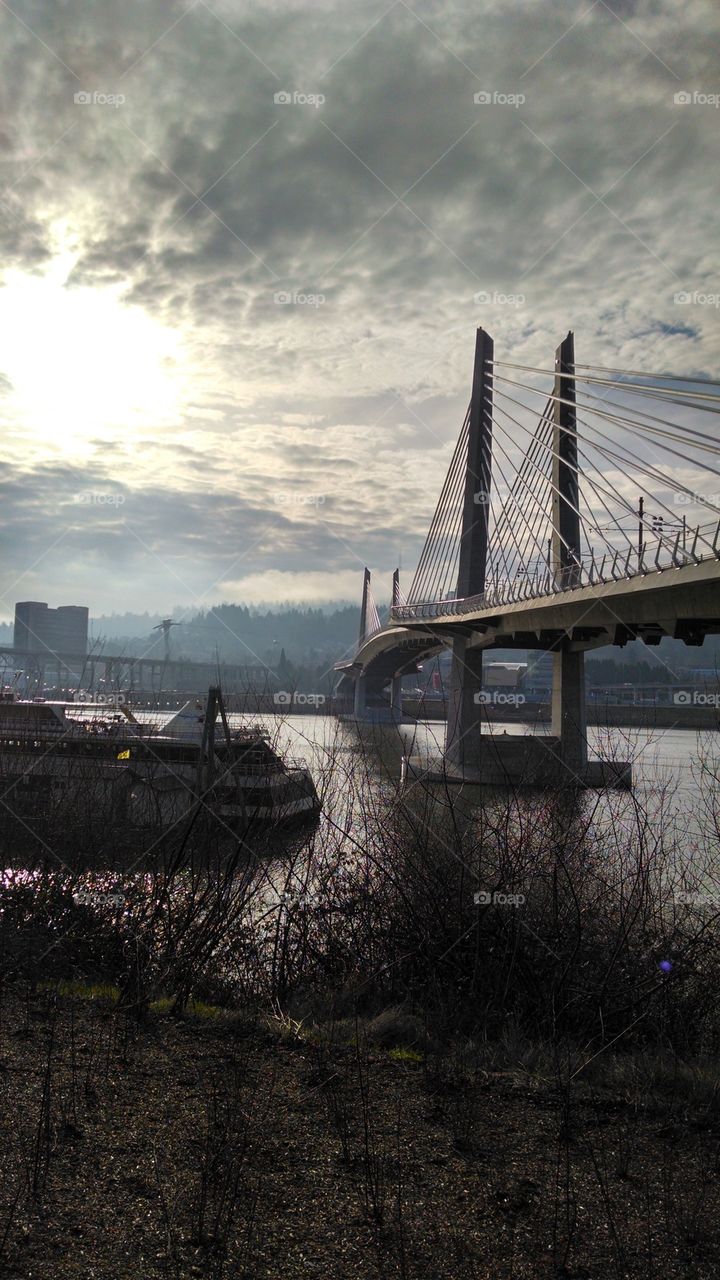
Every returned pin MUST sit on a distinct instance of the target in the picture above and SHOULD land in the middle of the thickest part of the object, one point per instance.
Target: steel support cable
(447, 553)
(656, 392)
(639, 413)
(629, 422)
(531, 454)
(510, 529)
(554, 487)
(628, 510)
(665, 377)
(554, 454)
(453, 560)
(589, 480)
(450, 478)
(664, 536)
(547, 479)
(495, 546)
(524, 503)
(633, 422)
(500, 543)
(543, 423)
(454, 497)
(648, 469)
(668, 395)
(652, 432)
(518, 502)
(460, 534)
(520, 508)
(547, 521)
(498, 535)
(534, 522)
(372, 616)
(612, 457)
(613, 418)
(681, 435)
(521, 564)
(448, 547)
(440, 514)
(542, 523)
(623, 501)
(536, 542)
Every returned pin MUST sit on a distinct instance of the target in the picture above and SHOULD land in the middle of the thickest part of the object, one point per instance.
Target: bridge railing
(588, 572)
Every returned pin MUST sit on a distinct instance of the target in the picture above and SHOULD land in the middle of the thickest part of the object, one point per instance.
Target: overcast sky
(174, 428)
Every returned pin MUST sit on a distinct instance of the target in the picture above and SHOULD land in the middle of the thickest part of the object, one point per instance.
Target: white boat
(147, 774)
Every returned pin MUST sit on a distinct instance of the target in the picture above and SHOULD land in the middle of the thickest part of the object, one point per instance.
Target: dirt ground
(225, 1146)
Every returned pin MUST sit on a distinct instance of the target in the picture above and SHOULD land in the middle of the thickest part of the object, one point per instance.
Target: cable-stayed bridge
(581, 507)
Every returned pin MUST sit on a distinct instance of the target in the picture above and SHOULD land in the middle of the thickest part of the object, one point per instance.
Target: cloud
(396, 201)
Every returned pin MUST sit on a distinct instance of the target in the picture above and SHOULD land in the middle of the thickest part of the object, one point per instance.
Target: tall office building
(43, 630)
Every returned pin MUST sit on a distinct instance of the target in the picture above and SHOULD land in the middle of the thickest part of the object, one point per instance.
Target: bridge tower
(569, 722)
(360, 684)
(463, 742)
(396, 707)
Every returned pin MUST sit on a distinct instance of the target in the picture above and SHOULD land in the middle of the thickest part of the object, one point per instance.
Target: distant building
(43, 630)
(537, 682)
(503, 675)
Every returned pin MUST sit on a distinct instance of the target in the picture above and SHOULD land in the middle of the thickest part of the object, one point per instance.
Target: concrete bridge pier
(464, 738)
(370, 702)
(569, 716)
(360, 697)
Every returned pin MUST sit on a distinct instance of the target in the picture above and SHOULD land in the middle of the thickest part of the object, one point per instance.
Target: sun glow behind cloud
(82, 364)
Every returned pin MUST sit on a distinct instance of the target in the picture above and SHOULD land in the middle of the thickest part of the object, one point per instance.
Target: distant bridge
(591, 520)
(108, 672)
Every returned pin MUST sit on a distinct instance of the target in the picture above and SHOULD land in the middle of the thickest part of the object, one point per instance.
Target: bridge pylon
(569, 721)
(366, 691)
(463, 740)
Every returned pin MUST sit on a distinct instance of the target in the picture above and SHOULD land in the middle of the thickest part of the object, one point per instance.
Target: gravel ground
(220, 1146)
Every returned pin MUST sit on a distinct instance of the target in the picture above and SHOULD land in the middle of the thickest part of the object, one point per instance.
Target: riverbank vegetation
(429, 1038)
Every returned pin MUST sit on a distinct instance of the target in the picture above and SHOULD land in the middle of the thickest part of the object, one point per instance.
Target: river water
(675, 802)
(660, 757)
(679, 794)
